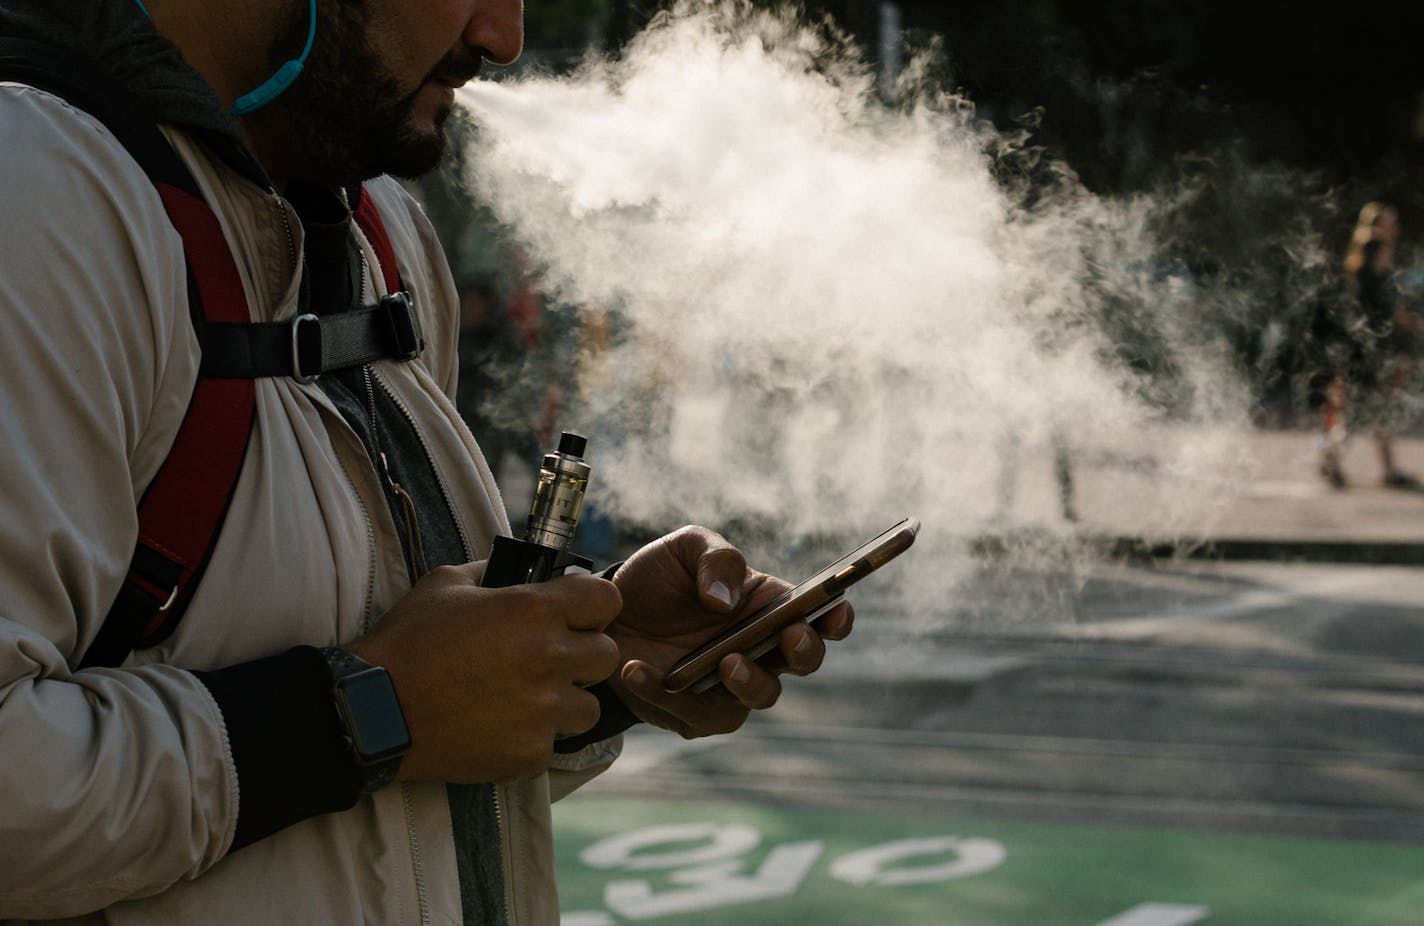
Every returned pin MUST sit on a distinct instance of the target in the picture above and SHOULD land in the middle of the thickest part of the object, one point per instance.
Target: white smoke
(824, 313)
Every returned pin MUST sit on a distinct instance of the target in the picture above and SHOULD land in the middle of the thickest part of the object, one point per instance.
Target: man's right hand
(489, 677)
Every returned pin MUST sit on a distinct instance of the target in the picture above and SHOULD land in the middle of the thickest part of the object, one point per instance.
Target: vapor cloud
(827, 312)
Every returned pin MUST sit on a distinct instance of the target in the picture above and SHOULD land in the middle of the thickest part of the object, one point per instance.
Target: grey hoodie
(117, 35)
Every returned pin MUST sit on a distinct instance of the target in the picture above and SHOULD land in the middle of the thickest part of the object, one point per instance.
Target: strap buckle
(404, 325)
(172, 597)
(306, 348)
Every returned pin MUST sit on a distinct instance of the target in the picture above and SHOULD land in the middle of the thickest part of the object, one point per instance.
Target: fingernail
(639, 676)
(741, 673)
(804, 647)
(721, 592)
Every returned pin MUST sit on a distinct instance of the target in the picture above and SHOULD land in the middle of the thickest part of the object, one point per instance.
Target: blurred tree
(570, 25)
(1323, 100)
(1126, 87)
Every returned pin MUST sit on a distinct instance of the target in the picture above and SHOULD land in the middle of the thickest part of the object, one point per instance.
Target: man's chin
(415, 154)
(417, 145)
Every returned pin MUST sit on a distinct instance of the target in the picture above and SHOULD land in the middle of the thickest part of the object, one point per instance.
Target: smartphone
(757, 634)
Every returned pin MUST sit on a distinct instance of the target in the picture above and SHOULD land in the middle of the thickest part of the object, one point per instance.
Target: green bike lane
(623, 860)
(1151, 763)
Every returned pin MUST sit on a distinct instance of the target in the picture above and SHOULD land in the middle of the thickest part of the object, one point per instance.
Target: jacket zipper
(414, 545)
(417, 855)
(287, 227)
(374, 376)
(511, 913)
(372, 379)
(407, 794)
(368, 615)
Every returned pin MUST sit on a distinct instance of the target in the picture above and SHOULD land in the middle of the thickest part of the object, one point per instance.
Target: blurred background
(1284, 117)
(1147, 367)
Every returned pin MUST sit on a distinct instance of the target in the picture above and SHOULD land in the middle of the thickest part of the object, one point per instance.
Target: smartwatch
(371, 720)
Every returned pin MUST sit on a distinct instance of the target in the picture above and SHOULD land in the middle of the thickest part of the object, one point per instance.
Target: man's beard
(350, 116)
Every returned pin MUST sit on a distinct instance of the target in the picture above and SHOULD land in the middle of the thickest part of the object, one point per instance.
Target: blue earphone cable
(286, 75)
(278, 83)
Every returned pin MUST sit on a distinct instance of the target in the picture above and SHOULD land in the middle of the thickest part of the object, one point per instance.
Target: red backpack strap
(368, 219)
(182, 511)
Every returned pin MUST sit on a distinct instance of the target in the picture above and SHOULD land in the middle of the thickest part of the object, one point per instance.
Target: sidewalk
(1156, 489)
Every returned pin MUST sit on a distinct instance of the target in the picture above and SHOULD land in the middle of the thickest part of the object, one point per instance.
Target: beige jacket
(117, 790)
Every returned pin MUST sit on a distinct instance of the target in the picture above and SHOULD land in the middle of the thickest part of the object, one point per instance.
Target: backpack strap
(310, 345)
(368, 219)
(182, 511)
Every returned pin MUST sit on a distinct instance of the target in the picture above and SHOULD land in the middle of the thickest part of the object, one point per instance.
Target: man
(210, 779)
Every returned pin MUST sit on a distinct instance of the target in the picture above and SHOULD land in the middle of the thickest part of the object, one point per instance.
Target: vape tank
(558, 501)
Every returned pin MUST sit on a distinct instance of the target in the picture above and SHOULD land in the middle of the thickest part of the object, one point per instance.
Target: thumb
(721, 573)
(458, 574)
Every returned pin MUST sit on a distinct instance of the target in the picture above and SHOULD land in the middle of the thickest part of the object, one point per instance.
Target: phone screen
(757, 634)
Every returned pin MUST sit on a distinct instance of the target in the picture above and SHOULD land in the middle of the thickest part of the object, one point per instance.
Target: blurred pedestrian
(1381, 336)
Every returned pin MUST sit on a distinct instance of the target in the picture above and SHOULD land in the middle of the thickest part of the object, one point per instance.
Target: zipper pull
(415, 546)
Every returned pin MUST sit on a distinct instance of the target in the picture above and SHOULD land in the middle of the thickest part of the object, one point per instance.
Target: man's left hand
(680, 591)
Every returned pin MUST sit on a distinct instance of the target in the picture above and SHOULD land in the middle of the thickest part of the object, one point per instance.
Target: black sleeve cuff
(292, 762)
(613, 718)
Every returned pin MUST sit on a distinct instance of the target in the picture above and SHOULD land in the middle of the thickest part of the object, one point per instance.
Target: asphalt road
(1023, 730)
(1245, 697)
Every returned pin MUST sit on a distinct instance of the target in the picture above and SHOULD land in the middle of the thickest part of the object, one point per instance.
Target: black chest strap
(310, 345)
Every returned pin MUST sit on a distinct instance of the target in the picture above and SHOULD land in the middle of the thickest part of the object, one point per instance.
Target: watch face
(368, 705)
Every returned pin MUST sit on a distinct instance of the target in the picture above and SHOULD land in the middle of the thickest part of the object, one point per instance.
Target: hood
(117, 36)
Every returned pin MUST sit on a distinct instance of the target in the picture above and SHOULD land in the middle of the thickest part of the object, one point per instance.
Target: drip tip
(571, 444)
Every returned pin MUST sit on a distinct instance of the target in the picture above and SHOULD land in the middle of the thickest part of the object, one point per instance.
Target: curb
(1246, 549)
(1371, 552)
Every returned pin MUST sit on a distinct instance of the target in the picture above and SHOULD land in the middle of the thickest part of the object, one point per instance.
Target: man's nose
(497, 28)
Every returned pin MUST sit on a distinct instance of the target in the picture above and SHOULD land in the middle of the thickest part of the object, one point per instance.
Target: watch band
(342, 662)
